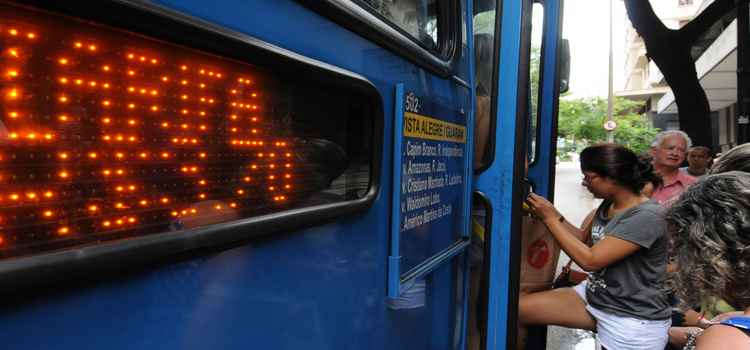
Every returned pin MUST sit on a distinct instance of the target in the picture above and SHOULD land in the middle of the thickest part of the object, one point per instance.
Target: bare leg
(559, 307)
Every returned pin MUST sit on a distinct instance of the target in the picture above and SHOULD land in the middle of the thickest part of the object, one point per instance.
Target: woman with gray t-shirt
(624, 299)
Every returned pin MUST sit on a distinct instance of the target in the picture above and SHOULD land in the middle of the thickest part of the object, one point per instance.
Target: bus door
(522, 109)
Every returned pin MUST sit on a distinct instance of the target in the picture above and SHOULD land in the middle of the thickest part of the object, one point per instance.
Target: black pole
(743, 72)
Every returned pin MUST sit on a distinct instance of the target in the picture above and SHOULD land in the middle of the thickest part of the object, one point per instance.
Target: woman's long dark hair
(620, 164)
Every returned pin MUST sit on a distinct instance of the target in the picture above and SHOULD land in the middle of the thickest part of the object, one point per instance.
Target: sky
(586, 26)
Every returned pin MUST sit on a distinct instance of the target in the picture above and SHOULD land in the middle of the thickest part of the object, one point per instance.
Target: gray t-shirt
(633, 286)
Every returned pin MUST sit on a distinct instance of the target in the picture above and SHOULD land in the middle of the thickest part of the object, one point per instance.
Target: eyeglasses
(587, 178)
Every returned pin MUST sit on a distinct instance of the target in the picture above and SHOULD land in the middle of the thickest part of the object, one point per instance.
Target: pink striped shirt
(669, 192)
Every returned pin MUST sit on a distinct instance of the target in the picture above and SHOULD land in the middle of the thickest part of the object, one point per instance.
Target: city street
(574, 202)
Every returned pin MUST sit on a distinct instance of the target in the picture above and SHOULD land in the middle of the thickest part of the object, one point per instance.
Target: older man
(669, 150)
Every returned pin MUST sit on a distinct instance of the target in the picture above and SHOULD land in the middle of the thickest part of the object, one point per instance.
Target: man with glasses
(669, 150)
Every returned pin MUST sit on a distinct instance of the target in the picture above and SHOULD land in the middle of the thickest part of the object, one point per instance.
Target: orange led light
(165, 78)
(78, 81)
(106, 120)
(131, 220)
(1, 240)
(78, 45)
(131, 188)
(233, 204)
(131, 105)
(233, 91)
(184, 82)
(106, 224)
(271, 177)
(31, 35)
(92, 155)
(271, 188)
(287, 176)
(105, 85)
(63, 155)
(31, 195)
(218, 207)
(164, 200)
(119, 189)
(287, 186)
(119, 155)
(92, 47)
(154, 61)
(119, 171)
(202, 155)
(119, 222)
(202, 182)
(143, 202)
(13, 94)
(106, 172)
(63, 174)
(106, 103)
(240, 191)
(164, 125)
(63, 61)
(131, 72)
(131, 89)
(154, 108)
(105, 68)
(143, 155)
(165, 155)
(12, 73)
(202, 196)
(13, 115)
(48, 194)
(247, 179)
(254, 95)
(143, 91)
(48, 213)
(92, 83)
(183, 67)
(63, 230)
(93, 208)
(119, 205)
(193, 210)
(142, 58)
(174, 213)
(14, 196)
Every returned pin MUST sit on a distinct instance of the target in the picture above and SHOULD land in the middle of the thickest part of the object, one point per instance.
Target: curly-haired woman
(711, 224)
(624, 299)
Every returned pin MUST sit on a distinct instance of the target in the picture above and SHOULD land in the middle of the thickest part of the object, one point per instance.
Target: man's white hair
(659, 138)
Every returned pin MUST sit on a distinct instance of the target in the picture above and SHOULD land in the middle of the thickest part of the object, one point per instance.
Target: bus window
(418, 18)
(484, 48)
(110, 135)
(535, 67)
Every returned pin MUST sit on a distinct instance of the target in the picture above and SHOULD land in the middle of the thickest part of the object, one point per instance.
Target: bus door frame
(502, 181)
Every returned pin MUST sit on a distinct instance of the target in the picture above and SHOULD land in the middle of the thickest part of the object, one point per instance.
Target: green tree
(582, 122)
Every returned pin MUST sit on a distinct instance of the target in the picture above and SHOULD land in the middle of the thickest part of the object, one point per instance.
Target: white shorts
(618, 332)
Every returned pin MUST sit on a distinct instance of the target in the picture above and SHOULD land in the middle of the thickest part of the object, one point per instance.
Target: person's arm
(720, 337)
(606, 252)
(482, 128)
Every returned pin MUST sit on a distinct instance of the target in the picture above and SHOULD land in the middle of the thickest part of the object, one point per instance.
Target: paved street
(574, 202)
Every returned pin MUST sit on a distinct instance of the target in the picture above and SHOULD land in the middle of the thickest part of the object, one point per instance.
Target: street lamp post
(610, 95)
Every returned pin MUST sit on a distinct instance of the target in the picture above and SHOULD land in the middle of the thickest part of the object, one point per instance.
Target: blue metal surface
(319, 288)
(394, 260)
(498, 180)
(541, 171)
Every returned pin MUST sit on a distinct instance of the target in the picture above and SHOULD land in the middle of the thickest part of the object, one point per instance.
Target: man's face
(670, 153)
(698, 159)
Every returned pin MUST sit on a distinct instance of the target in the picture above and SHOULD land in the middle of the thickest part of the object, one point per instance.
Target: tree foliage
(582, 121)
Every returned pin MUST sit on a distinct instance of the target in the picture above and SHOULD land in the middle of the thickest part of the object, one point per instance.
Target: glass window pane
(484, 48)
(535, 64)
(419, 18)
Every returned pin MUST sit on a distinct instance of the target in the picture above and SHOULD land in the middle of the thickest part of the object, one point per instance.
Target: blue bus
(182, 174)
